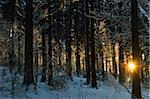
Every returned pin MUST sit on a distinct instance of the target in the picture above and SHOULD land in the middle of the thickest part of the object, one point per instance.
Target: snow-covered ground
(75, 89)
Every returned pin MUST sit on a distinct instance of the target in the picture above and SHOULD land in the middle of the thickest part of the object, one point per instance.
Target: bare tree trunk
(136, 90)
(68, 50)
(36, 63)
(11, 32)
(114, 62)
(102, 60)
(120, 47)
(120, 63)
(78, 58)
(76, 28)
(50, 67)
(142, 71)
(43, 78)
(28, 70)
(94, 83)
(87, 44)
(59, 53)
(106, 65)
(69, 40)
(19, 54)
(58, 39)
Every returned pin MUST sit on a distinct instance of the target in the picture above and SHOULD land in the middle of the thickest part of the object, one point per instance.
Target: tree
(43, 79)
(120, 45)
(69, 38)
(50, 69)
(136, 90)
(114, 61)
(87, 43)
(59, 32)
(11, 33)
(120, 63)
(76, 29)
(94, 83)
(28, 69)
(103, 71)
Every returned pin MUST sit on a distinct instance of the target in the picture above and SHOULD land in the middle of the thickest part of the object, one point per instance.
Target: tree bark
(50, 67)
(136, 90)
(120, 46)
(94, 83)
(114, 62)
(76, 28)
(43, 78)
(106, 65)
(68, 52)
(11, 32)
(36, 63)
(120, 63)
(19, 54)
(87, 43)
(103, 71)
(59, 57)
(59, 40)
(28, 70)
(69, 40)
(78, 58)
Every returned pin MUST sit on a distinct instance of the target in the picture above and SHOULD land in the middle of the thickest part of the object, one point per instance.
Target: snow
(75, 89)
(143, 11)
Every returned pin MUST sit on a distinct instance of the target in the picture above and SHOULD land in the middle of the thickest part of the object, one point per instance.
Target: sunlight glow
(131, 66)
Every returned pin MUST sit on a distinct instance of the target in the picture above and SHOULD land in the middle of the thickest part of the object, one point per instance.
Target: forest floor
(69, 89)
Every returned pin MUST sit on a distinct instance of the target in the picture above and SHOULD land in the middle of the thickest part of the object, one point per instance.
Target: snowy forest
(74, 49)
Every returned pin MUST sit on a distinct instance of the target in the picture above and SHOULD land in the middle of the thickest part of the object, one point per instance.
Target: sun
(131, 66)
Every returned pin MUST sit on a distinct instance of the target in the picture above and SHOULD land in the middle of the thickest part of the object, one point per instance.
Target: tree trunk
(59, 57)
(136, 90)
(68, 57)
(76, 28)
(87, 44)
(94, 83)
(68, 40)
(78, 58)
(11, 32)
(120, 63)
(142, 71)
(28, 70)
(50, 67)
(43, 78)
(36, 64)
(106, 65)
(19, 54)
(58, 39)
(114, 62)
(120, 47)
(103, 71)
